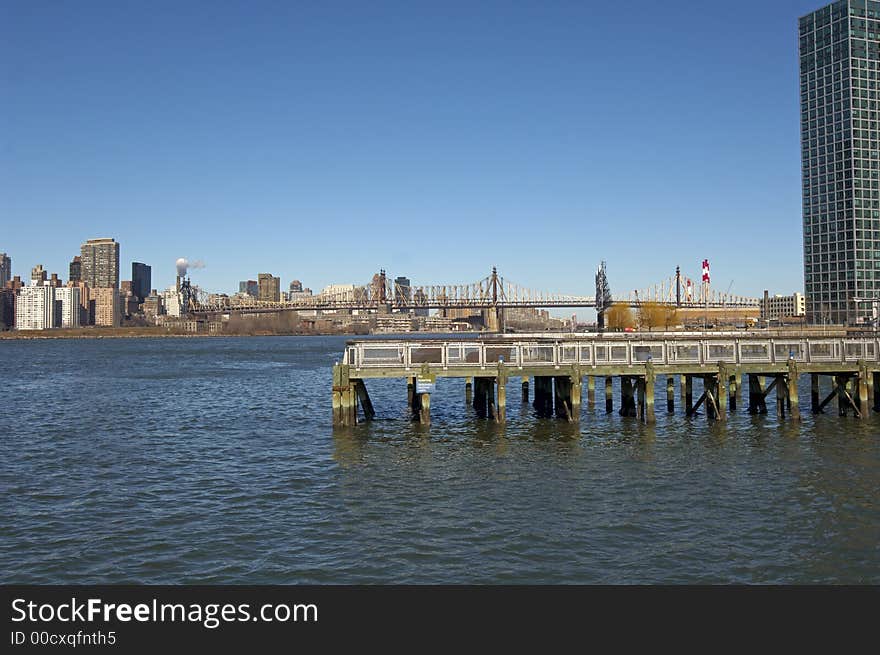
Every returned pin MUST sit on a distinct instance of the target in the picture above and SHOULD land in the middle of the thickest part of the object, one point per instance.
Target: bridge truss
(492, 292)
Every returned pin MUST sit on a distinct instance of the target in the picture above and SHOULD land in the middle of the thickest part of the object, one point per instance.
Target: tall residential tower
(100, 263)
(840, 155)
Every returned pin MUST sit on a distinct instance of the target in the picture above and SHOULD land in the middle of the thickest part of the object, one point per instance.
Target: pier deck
(560, 364)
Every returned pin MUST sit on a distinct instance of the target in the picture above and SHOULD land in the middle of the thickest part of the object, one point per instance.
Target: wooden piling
(864, 408)
(842, 401)
(670, 394)
(525, 389)
(576, 393)
(468, 391)
(591, 391)
(792, 385)
(689, 394)
(425, 408)
(721, 391)
(734, 392)
(609, 395)
(780, 396)
(650, 415)
(814, 393)
(501, 409)
(877, 391)
(627, 397)
(364, 398)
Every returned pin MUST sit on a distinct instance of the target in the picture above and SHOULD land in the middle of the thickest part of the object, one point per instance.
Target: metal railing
(411, 354)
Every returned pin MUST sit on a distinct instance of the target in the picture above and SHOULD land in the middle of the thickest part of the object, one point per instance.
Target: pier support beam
(562, 392)
(364, 398)
(591, 391)
(734, 392)
(757, 395)
(627, 398)
(468, 391)
(648, 414)
(609, 395)
(525, 389)
(344, 399)
(688, 386)
(576, 395)
(781, 396)
(501, 380)
(721, 391)
(814, 393)
(877, 392)
(670, 394)
(543, 402)
(425, 408)
(792, 385)
(864, 408)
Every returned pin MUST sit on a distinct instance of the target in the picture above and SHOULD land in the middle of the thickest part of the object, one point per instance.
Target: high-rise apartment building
(38, 274)
(35, 307)
(141, 279)
(840, 155)
(107, 308)
(75, 270)
(67, 307)
(269, 287)
(5, 269)
(100, 263)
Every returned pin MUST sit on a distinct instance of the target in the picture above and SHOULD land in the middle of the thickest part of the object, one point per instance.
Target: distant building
(75, 270)
(776, 307)
(7, 308)
(339, 292)
(249, 287)
(35, 307)
(67, 307)
(86, 302)
(107, 308)
(296, 287)
(100, 263)
(269, 287)
(141, 280)
(171, 302)
(5, 269)
(152, 306)
(38, 275)
(54, 281)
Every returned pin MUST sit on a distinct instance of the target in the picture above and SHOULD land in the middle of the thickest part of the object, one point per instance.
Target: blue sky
(323, 141)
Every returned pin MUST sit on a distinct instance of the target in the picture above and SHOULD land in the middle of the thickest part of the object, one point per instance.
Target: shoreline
(144, 333)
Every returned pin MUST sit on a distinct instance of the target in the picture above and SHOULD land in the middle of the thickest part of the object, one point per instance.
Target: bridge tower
(603, 295)
(495, 315)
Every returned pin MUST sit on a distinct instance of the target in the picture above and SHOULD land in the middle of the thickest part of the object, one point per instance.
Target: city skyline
(531, 131)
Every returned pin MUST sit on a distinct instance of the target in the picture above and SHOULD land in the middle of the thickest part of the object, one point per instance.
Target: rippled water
(214, 461)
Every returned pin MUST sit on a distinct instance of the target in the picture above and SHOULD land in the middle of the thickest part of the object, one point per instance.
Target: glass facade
(840, 153)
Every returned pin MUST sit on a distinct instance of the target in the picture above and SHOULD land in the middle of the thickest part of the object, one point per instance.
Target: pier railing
(597, 352)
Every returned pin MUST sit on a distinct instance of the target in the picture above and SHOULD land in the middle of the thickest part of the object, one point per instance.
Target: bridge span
(491, 293)
(558, 367)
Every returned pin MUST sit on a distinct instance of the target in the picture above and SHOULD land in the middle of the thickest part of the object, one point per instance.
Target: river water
(213, 460)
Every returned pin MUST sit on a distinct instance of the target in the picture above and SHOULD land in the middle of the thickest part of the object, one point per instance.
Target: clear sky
(325, 140)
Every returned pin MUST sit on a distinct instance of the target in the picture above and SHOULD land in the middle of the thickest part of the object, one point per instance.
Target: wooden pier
(556, 368)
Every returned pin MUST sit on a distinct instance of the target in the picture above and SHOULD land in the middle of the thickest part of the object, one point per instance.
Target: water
(214, 461)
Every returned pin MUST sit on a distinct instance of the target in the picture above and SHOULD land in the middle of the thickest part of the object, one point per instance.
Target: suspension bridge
(493, 292)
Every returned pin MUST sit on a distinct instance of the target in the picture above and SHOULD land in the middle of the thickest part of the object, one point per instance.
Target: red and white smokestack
(706, 271)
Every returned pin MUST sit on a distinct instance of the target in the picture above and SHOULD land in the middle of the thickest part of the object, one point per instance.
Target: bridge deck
(559, 364)
(607, 355)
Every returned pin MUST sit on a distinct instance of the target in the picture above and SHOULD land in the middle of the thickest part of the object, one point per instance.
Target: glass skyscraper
(840, 154)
